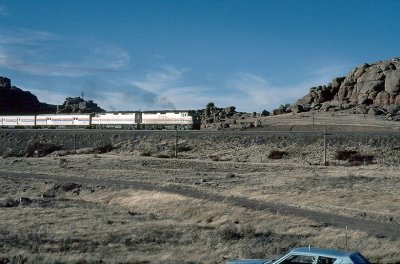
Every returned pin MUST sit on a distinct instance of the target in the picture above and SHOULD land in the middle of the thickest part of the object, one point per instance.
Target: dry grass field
(99, 223)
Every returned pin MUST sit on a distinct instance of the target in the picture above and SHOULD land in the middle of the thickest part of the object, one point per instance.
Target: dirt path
(379, 229)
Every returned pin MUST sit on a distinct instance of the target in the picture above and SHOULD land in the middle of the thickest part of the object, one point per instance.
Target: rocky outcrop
(78, 105)
(213, 117)
(212, 114)
(5, 82)
(13, 100)
(369, 88)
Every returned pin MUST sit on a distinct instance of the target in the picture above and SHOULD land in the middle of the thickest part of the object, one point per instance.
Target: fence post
(325, 164)
(176, 144)
(313, 118)
(74, 141)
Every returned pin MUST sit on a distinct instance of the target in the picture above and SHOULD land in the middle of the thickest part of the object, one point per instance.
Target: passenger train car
(115, 120)
(63, 120)
(18, 121)
(126, 120)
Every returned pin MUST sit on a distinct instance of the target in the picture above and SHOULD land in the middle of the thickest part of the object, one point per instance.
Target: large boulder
(373, 73)
(392, 82)
(336, 82)
(382, 98)
(387, 66)
(307, 99)
(360, 71)
(371, 86)
(393, 108)
(297, 108)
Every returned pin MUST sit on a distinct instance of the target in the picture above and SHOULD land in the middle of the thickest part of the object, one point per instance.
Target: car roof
(322, 252)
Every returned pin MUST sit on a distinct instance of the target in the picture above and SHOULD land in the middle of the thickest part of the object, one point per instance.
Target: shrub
(277, 154)
(353, 157)
(183, 147)
(231, 231)
(215, 157)
(357, 160)
(345, 154)
(40, 149)
(103, 149)
(145, 154)
(163, 156)
(9, 202)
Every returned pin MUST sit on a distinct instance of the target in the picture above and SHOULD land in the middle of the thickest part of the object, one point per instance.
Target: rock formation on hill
(13, 100)
(369, 88)
(213, 114)
(227, 117)
(78, 105)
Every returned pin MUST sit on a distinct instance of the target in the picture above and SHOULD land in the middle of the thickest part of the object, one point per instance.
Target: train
(179, 120)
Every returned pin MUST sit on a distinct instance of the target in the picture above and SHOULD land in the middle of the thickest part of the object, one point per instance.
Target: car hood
(249, 261)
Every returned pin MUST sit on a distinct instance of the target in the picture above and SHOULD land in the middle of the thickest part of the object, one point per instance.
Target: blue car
(311, 255)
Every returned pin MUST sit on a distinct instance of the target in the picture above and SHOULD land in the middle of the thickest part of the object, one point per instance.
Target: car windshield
(357, 258)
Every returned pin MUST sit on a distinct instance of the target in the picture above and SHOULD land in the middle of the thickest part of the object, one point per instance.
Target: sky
(183, 54)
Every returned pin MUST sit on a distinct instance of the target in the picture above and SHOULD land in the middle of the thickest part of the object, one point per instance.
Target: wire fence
(320, 147)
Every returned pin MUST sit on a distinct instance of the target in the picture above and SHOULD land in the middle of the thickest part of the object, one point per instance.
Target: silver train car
(115, 120)
(63, 120)
(184, 120)
(18, 121)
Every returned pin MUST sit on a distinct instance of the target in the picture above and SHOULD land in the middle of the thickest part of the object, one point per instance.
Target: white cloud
(42, 69)
(161, 80)
(32, 52)
(113, 57)
(190, 97)
(26, 37)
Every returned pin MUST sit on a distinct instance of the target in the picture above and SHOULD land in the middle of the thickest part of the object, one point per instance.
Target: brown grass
(117, 225)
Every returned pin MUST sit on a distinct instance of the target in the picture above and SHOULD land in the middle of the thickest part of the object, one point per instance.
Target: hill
(14, 100)
(368, 89)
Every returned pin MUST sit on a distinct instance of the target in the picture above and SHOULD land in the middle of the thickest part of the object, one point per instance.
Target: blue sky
(165, 54)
